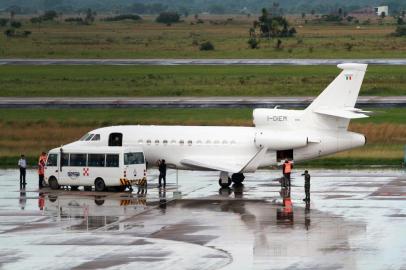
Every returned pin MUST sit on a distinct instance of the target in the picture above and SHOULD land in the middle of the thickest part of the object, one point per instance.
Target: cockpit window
(84, 137)
(96, 137)
(89, 137)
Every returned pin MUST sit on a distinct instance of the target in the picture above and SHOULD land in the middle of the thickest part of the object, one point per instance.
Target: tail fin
(337, 101)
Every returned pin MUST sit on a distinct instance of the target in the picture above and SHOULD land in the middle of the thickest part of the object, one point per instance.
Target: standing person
(22, 164)
(162, 172)
(286, 170)
(307, 185)
(41, 169)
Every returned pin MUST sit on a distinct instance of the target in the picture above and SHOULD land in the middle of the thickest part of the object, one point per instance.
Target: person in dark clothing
(286, 170)
(22, 164)
(307, 185)
(162, 172)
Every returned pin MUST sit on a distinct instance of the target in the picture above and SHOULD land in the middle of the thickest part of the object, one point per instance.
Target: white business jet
(277, 134)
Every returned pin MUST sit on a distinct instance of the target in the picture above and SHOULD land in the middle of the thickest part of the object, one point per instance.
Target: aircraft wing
(226, 164)
(215, 164)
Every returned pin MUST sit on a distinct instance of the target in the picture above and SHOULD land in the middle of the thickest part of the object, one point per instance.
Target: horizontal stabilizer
(342, 113)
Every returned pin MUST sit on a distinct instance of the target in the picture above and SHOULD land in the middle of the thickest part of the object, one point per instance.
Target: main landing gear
(225, 181)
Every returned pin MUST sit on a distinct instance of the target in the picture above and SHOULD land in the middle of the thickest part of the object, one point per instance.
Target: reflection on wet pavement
(356, 220)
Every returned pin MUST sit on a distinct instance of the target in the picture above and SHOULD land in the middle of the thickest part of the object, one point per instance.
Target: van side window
(95, 160)
(112, 160)
(52, 160)
(65, 159)
(133, 158)
(78, 160)
(116, 139)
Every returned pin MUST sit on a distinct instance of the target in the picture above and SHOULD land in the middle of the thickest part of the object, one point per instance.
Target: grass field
(147, 39)
(189, 80)
(31, 131)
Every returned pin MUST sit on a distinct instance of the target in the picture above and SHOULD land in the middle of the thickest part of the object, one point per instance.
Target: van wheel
(53, 183)
(87, 188)
(99, 185)
(74, 188)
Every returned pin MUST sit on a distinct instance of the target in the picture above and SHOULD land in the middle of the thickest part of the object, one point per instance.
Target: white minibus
(114, 167)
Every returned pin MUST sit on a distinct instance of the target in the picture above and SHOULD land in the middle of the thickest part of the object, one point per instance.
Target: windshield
(133, 158)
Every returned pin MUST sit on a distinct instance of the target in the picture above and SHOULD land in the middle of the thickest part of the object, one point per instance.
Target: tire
(99, 185)
(87, 188)
(53, 183)
(99, 201)
(237, 178)
(225, 185)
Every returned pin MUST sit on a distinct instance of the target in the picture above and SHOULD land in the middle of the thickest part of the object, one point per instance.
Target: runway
(169, 62)
(187, 102)
(355, 220)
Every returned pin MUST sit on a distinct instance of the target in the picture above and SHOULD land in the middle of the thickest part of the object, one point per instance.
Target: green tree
(168, 17)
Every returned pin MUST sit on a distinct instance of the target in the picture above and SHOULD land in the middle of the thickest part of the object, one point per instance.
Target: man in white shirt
(22, 164)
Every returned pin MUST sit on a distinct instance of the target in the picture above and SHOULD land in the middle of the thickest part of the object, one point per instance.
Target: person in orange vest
(41, 169)
(286, 170)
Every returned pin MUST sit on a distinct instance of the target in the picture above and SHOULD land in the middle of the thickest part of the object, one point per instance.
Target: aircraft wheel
(87, 188)
(237, 178)
(53, 183)
(225, 185)
(99, 185)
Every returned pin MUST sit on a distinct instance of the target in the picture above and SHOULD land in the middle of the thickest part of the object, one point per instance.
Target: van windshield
(133, 158)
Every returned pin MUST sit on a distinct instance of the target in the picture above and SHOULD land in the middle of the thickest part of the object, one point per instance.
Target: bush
(49, 15)
(9, 32)
(123, 17)
(253, 43)
(168, 17)
(3, 22)
(206, 46)
(77, 19)
(400, 31)
(15, 24)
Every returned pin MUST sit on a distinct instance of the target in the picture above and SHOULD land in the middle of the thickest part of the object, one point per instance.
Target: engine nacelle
(280, 140)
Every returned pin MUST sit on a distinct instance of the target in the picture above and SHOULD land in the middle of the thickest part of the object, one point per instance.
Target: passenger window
(52, 160)
(140, 141)
(165, 142)
(232, 142)
(148, 142)
(208, 142)
(112, 160)
(96, 137)
(225, 142)
(199, 142)
(116, 139)
(181, 142)
(133, 158)
(95, 160)
(189, 143)
(65, 159)
(78, 160)
(156, 142)
(216, 142)
(173, 142)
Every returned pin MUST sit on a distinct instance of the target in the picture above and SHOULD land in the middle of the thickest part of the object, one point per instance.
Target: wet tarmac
(170, 62)
(356, 220)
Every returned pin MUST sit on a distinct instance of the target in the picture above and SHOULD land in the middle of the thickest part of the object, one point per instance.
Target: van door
(134, 164)
(52, 166)
(116, 139)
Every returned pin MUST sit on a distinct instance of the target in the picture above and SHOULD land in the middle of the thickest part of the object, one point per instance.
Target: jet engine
(280, 140)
